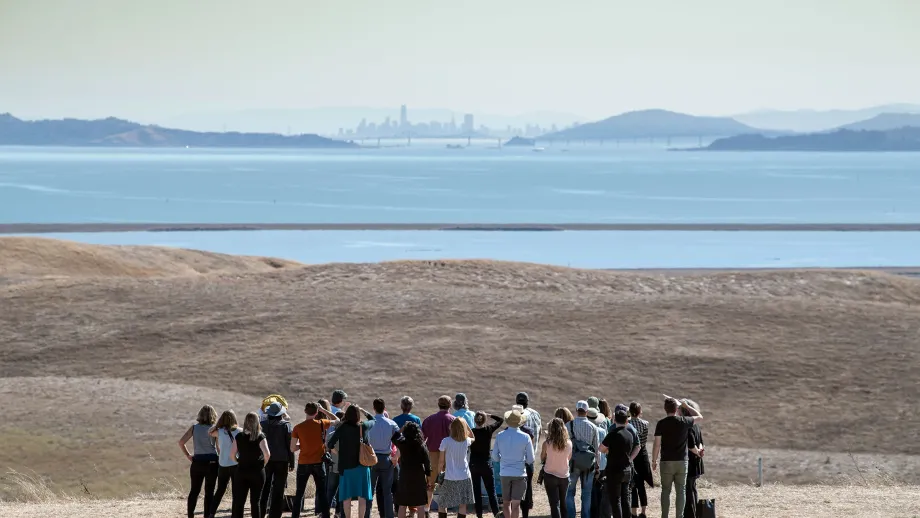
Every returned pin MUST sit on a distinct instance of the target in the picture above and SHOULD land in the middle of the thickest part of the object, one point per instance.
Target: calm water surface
(578, 249)
(429, 184)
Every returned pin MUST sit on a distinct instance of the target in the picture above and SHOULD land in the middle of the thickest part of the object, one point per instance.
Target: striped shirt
(585, 431)
(641, 427)
(532, 420)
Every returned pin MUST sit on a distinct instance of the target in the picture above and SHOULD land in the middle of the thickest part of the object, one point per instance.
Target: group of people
(355, 455)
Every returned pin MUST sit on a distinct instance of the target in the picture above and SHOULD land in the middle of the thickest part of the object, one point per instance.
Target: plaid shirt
(641, 426)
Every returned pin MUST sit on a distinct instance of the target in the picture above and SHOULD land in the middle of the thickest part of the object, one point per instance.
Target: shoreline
(47, 228)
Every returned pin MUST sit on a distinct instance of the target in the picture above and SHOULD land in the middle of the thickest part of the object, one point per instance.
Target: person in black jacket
(480, 461)
(694, 464)
(278, 436)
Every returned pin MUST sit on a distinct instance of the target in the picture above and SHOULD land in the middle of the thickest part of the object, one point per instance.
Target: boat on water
(538, 149)
(454, 146)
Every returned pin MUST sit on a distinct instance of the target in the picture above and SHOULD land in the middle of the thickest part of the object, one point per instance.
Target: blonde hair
(558, 436)
(227, 421)
(459, 430)
(251, 426)
(207, 415)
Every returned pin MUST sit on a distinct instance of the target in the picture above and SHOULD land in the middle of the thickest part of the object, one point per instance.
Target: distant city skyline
(157, 61)
(406, 128)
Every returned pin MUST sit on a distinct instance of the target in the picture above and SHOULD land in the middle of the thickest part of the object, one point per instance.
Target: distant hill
(886, 121)
(904, 139)
(521, 141)
(118, 132)
(652, 124)
(818, 120)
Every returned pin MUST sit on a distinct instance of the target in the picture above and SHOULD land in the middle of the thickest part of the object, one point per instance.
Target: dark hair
(340, 415)
(444, 402)
(324, 403)
(635, 408)
(671, 405)
(351, 414)
(413, 434)
(604, 407)
(379, 405)
(338, 396)
(522, 399)
(621, 417)
(310, 408)
(460, 401)
(480, 418)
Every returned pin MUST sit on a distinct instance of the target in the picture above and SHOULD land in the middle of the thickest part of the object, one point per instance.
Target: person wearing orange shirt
(309, 438)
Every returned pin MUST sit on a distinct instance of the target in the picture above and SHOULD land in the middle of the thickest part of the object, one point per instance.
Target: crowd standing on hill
(355, 455)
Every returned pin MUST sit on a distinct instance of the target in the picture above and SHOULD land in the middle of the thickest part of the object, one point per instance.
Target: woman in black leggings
(225, 431)
(204, 461)
(642, 468)
(480, 463)
(251, 451)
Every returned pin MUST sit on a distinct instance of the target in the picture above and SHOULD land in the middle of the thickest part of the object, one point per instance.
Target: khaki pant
(673, 472)
(435, 458)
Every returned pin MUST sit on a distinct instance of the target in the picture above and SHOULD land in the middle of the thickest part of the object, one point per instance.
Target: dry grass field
(732, 501)
(107, 352)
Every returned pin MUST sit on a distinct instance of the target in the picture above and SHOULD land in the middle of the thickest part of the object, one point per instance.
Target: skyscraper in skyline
(468, 126)
(403, 117)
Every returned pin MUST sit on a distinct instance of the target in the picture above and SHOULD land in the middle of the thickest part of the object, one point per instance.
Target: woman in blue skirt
(355, 479)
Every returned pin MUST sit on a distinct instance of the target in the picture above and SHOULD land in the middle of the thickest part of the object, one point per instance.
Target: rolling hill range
(114, 132)
(124, 361)
(654, 124)
(818, 120)
(886, 121)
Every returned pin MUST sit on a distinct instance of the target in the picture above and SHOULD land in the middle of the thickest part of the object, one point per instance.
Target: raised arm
(697, 417)
(328, 414)
(186, 437)
(499, 421)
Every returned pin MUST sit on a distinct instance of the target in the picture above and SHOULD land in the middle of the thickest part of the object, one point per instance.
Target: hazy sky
(154, 59)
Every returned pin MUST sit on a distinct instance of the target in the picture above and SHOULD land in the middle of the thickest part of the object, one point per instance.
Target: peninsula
(113, 132)
(901, 139)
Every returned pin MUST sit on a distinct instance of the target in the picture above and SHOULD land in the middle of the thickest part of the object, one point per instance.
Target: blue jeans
(332, 493)
(304, 472)
(382, 486)
(587, 484)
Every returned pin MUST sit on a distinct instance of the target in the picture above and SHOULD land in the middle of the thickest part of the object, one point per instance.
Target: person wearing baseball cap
(585, 444)
(534, 424)
(514, 450)
(621, 447)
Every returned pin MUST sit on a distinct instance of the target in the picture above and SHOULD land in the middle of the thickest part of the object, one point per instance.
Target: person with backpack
(277, 432)
(355, 478)
(226, 429)
(204, 467)
(585, 459)
(309, 438)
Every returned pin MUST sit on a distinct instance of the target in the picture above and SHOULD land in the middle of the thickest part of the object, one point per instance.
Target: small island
(901, 139)
(113, 132)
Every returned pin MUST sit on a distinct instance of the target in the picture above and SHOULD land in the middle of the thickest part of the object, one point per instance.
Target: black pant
(527, 502)
(482, 473)
(225, 476)
(248, 481)
(304, 472)
(556, 488)
(637, 489)
(202, 471)
(600, 500)
(275, 481)
(618, 491)
(692, 496)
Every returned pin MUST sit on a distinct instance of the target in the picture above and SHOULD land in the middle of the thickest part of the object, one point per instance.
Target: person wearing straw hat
(277, 432)
(514, 450)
